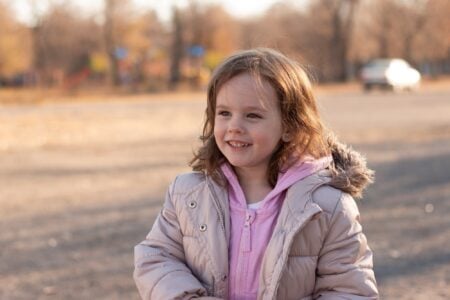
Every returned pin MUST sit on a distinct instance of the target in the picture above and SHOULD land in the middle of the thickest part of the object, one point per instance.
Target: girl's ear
(286, 137)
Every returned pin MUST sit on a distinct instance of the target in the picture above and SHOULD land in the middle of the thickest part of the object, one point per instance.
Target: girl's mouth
(235, 144)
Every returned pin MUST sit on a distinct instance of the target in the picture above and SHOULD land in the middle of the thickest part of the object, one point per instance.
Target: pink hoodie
(251, 229)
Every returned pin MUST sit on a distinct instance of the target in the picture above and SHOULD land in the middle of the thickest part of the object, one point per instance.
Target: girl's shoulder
(187, 182)
(315, 189)
(327, 197)
(334, 201)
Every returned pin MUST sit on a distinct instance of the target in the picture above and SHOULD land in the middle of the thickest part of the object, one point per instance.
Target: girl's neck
(254, 185)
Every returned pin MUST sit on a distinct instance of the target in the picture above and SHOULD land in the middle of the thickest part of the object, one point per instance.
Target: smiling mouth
(237, 144)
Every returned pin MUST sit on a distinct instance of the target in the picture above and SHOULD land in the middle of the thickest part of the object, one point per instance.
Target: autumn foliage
(123, 45)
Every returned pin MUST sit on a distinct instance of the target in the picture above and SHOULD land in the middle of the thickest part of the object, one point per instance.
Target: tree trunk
(110, 43)
(342, 20)
(177, 50)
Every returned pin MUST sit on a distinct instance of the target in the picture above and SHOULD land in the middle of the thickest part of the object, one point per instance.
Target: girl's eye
(223, 113)
(254, 116)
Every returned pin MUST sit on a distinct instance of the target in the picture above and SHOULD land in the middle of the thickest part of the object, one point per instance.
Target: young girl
(268, 212)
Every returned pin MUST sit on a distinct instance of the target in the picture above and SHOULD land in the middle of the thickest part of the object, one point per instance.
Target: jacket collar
(298, 202)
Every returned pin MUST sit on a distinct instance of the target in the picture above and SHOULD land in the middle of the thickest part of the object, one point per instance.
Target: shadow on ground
(87, 252)
(405, 216)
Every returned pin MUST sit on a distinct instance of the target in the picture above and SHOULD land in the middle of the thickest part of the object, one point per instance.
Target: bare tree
(62, 47)
(415, 19)
(211, 27)
(415, 30)
(281, 27)
(341, 16)
(110, 40)
(117, 16)
(385, 16)
(38, 43)
(176, 50)
(144, 36)
(431, 47)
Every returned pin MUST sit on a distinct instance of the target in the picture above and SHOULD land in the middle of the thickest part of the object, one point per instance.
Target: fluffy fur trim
(349, 170)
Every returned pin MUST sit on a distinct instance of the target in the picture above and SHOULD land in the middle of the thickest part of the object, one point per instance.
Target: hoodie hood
(349, 170)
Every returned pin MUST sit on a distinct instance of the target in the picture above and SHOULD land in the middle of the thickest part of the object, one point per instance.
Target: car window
(379, 63)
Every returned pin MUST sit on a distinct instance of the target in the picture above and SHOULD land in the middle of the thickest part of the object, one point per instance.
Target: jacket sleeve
(160, 270)
(344, 269)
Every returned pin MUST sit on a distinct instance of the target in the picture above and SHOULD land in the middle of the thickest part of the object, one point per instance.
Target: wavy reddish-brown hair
(300, 116)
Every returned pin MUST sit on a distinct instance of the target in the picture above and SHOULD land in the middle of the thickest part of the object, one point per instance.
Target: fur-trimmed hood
(349, 170)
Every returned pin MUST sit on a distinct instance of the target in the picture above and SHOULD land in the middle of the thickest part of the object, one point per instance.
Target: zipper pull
(247, 232)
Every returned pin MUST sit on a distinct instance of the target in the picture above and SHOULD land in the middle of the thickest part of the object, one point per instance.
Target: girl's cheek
(216, 131)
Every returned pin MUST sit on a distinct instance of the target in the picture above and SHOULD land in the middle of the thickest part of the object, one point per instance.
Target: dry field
(81, 183)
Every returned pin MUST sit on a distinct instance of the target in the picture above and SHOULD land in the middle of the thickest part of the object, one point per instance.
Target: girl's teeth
(238, 145)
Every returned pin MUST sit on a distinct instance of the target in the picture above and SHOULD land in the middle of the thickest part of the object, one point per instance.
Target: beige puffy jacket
(317, 249)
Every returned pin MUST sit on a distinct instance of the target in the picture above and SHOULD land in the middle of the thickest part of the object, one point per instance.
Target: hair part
(300, 116)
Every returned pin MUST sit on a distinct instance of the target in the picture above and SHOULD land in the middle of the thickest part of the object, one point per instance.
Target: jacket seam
(300, 256)
(188, 190)
(330, 221)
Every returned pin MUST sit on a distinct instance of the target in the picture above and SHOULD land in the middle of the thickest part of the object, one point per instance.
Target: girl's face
(248, 124)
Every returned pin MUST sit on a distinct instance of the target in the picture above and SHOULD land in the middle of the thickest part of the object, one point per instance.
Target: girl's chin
(240, 165)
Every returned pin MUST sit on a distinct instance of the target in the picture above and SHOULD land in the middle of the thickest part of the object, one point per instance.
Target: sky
(238, 8)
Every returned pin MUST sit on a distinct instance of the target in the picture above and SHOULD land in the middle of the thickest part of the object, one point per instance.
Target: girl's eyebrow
(246, 108)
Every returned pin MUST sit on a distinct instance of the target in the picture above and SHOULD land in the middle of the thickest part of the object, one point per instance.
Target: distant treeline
(125, 46)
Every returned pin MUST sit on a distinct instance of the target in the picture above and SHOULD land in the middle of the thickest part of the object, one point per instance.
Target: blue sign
(196, 51)
(121, 52)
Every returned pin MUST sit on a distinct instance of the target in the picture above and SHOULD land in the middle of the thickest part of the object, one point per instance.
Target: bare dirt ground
(81, 183)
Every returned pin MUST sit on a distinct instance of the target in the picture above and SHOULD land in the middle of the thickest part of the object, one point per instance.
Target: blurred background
(149, 46)
(101, 105)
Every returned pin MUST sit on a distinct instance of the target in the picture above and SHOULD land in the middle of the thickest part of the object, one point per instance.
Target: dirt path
(80, 184)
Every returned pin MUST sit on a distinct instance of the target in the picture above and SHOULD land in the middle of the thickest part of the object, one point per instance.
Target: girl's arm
(160, 271)
(344, 269)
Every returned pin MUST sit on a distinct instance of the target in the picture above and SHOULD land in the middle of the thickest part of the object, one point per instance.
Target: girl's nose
(235, 126)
